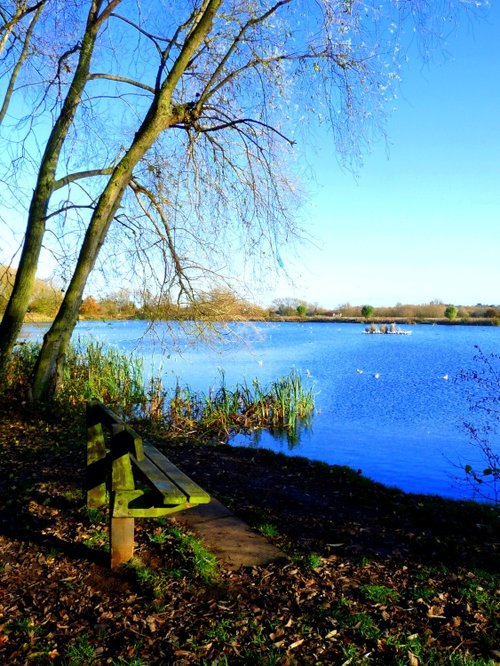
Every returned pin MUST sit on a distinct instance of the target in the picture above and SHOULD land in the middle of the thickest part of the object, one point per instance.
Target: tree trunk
(17, 306)
(159, 117)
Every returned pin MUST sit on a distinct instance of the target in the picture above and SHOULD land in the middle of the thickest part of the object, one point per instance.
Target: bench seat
(134, 476)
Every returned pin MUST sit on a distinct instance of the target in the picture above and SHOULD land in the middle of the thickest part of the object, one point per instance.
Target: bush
(302, 310)
(367, 311)
(450, 312)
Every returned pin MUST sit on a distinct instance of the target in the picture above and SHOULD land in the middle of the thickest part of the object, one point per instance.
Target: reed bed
(281, 406)
(94, 370)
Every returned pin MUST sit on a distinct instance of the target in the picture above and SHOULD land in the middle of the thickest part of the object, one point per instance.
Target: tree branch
(246, 121)
(17, 18)
(139, 189)
(122, 79)
(149, 35)
(202, 21)
(218, 70)
(70, 178)
(64, 209)
(22, 58)
(107, 12)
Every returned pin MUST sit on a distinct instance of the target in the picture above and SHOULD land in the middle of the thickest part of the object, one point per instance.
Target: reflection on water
(389, 405)
(279, 440)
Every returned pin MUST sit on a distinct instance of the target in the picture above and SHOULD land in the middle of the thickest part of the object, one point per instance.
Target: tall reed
(94, 370)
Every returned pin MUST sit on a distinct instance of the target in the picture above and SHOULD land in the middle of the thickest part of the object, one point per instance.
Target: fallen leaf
(436, 612)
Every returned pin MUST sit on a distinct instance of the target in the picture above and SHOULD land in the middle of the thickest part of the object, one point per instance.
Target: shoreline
(319, 319)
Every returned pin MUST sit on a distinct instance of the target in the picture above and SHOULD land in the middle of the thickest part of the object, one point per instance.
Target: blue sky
(421, 221)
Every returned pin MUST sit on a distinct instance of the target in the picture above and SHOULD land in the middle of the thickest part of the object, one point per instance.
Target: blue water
(388, 405)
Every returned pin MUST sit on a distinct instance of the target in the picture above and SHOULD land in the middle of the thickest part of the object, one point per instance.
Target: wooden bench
(135, 478)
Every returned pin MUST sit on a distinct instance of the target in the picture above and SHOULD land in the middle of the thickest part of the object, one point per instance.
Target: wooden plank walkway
(229, 538)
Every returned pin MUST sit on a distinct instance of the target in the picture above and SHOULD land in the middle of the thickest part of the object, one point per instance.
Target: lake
(388, 405)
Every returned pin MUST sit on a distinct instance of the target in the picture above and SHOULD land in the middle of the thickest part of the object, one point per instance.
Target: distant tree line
(225, 305)
(220, 304)
(217, 304)
(289, 307)
(45, 299)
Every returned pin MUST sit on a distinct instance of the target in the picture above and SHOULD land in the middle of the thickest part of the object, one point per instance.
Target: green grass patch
(379, 594)
(159, 536)
(364, 624)
(82, 652)
(268, 530)
(201, 561)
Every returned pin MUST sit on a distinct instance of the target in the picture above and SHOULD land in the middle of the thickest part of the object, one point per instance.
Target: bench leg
(96, 466)
(122, 540)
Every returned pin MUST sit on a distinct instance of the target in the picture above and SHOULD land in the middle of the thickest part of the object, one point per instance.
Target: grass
(81, 653)
(268, 530)
(95, 515)
(103, 372)
(379, 594)
(193, 560)
(424, 593)
(155, 581)
(99, 539)
(364, 624)
(159, 536)
(282, 407)
(200, 560)
(307, 560)
(222, 631)
(313, 561)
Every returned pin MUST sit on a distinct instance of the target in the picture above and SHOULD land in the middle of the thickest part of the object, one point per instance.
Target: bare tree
(47, 183)
(176, 123)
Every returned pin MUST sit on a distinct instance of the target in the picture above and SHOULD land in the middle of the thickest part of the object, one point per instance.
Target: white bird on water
(377, 375)
(445, 377)
(360, 372)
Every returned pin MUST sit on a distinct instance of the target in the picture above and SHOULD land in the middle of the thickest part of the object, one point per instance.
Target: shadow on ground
(315, 507)
(324, 508)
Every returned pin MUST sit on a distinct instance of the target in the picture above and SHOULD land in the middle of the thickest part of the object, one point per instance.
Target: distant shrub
(451, 312)
(302, 310)
(367, 311)
(90, 307)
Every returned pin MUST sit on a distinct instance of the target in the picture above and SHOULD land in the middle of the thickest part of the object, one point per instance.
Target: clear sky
(422, 222)
(421, 219)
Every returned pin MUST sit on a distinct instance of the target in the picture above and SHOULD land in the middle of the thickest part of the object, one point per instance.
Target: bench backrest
(109, 441)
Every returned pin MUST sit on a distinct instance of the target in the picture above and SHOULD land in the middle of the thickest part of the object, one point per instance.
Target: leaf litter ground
(372, 575)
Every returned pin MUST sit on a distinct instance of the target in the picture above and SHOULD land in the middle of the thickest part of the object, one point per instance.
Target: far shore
(33, 318)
